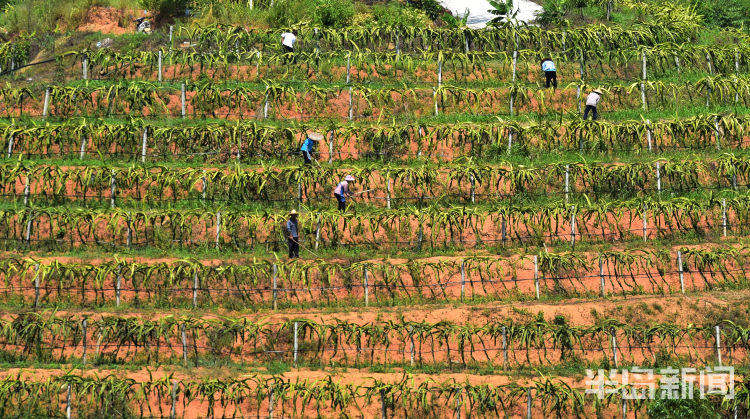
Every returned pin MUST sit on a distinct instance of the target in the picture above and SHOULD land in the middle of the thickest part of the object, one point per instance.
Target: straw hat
(597, 91)
(349, 178)
(315, 136)
(293, 212)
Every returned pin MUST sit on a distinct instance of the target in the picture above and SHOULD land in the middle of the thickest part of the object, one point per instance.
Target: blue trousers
(341, 200)
(594, 114)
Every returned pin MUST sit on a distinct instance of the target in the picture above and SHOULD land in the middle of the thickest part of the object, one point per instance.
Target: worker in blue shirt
(309, 146)
(550, 72)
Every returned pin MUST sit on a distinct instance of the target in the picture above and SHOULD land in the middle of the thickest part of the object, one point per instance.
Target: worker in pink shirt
(342, 191)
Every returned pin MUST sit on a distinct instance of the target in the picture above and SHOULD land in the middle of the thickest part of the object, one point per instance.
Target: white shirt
(288, 39)
(593, 99)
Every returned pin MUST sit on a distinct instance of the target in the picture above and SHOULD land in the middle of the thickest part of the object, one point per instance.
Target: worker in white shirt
(592, 100)
(288, 39)
(550, 72)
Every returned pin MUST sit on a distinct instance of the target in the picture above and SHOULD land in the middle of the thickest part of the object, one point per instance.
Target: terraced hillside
(500, 247)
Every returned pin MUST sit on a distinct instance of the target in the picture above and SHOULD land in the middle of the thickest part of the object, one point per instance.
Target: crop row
(462, 181)
(433, 226)
(275, 100)
(120, 339)
(260, 284)
(266, 396)
(243, 140)
(363, 66)
(669, 22)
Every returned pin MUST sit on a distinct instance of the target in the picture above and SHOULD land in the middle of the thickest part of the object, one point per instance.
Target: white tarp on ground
(478, 15)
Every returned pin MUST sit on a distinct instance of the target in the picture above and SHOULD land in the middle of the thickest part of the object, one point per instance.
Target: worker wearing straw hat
(309, 146)
(342, 191)
(592, 100)
(292, 234)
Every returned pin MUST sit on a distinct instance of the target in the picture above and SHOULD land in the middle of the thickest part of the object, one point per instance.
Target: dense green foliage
(334, 13)
(165, 8)
(681, 408)
(724, 13)
(432, 7)
(392, 14)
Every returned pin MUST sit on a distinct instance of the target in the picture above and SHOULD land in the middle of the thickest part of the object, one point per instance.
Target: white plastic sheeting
(478, 15)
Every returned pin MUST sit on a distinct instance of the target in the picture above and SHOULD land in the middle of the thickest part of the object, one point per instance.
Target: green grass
(541, 161)
(362, 253)
(669, 77)
(573, 367)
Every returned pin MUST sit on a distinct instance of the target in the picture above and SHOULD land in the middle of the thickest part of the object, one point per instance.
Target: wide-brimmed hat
(293, 212)
(315, 136)
(349, 178)
(598, 91)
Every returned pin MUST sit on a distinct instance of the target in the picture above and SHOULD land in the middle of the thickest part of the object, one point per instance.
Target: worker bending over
(309, 146)
(550, 72)
(342, 191)
(592, 100)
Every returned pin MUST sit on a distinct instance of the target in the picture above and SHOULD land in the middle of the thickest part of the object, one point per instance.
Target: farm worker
(309, 146)
(342, 190)
(292, 234)
(288, 39)
(550, 72)
(591, 101)
(287, 42)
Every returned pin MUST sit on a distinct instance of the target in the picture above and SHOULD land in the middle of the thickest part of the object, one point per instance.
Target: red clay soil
(682, 310)
(645, 309)
(398, 232)
(506, 278)
(348, 376)
(198, 407)
(107, 20)
(333, 104)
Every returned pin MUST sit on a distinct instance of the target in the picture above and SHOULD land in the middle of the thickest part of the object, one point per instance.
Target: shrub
(723, 13)
(392, 14)
(285, 13)
(432, 8)
(228, 12)
(334, 13)
(165, 8)
(679, 409)
(552, 14)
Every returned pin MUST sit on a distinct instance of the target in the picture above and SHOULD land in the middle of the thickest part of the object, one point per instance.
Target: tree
(552, 14)
(456, 21)
(501, 10)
